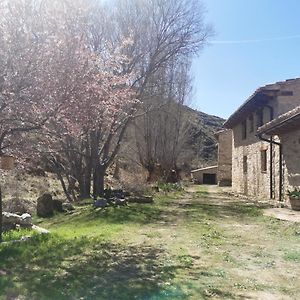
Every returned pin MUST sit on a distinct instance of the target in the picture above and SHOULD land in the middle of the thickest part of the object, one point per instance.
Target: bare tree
(166, 34)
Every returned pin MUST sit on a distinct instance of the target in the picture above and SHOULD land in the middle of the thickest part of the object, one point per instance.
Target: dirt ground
(230, 249)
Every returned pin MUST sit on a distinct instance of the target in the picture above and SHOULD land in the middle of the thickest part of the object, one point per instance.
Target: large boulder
(44, 206)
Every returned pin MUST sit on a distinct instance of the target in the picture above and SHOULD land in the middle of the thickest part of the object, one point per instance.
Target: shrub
(294, 193)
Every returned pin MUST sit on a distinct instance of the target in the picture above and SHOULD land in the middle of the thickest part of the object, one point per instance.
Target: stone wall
(288, 102)
(225, 158)
(248, 177)
(254, 181)
(291, 155)
(251, 179)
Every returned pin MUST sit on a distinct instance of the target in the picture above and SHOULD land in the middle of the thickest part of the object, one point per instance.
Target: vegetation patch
(183, 246)
(292, 255)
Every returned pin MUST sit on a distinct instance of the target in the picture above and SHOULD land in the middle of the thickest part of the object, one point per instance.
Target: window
(245, 164)
(259, 118)
(251, 123)
(263, 159)
(244, 130)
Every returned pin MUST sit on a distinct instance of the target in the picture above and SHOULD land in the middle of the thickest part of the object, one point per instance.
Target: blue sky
(256, 42)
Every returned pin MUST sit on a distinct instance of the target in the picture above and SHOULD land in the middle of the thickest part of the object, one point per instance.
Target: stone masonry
(251, 156)
(224, 157)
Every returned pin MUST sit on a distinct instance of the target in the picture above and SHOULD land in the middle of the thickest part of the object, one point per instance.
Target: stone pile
(12, 221)
(117, 198)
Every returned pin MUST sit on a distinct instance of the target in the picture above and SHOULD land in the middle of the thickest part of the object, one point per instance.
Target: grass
(292, 255)
(184, 246)
(15, 235)
(50, 267)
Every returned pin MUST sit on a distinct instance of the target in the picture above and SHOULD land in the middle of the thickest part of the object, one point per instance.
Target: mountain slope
(200, 148)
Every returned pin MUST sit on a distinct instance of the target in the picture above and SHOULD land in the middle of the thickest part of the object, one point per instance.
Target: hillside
(200, 148)
(198, 143)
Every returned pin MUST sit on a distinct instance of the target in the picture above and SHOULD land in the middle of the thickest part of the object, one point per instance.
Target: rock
(118, 194)
(10, 218)
(44, 206)
(100, 203)
(67, 206)
(109, 193)
(120, 202)
(40, 229)
(140, 199)
(58, 205)
(26, 220)
(11, 221)
(116, 201)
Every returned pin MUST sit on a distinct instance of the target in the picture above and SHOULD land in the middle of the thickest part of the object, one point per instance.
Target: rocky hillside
(198, 143)
(200, 148)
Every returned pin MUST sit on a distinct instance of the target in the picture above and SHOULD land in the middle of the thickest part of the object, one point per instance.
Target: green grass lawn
(188, 245)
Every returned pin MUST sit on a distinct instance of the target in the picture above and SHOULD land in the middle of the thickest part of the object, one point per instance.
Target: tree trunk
(84, 188)
(62, 182)
(98, 181)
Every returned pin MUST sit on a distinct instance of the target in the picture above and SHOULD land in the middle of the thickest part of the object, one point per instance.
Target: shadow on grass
(48, 267)
(135, 214)
(233, 210)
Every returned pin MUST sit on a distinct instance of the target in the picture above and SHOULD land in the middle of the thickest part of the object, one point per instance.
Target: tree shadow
(136, 213)
(232, 210)
(54, 268)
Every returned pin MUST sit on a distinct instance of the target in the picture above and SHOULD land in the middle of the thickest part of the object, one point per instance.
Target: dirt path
(225, 246)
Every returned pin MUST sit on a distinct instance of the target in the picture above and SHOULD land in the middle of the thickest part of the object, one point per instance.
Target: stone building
(220, 174)
(208, 175)
(287, 128)
(261, 153)
(224, 157)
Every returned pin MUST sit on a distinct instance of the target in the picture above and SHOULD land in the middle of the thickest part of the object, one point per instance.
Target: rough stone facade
(291, 155)
(224, 157)
(251, 167)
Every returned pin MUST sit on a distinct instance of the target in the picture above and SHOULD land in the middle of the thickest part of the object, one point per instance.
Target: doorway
(209, 178)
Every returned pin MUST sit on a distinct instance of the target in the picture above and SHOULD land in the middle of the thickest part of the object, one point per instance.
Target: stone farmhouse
(265, 134)
(221, 173)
